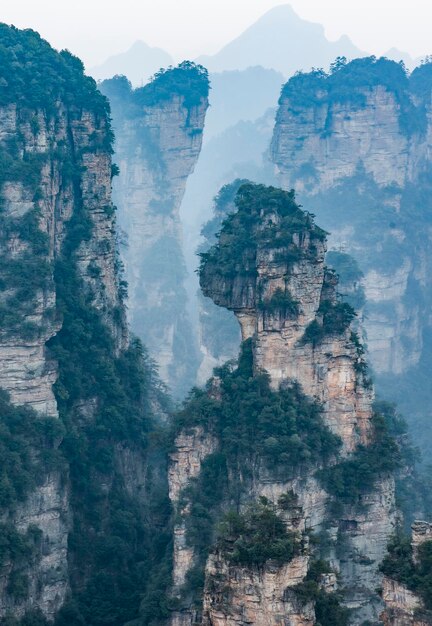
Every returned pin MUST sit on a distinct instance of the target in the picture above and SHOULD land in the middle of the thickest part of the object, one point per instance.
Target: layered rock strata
(355, 145)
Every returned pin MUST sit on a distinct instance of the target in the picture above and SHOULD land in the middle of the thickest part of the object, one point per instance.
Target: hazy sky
(94, 29)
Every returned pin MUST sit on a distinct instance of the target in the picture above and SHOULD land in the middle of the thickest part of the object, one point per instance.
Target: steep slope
(159, 130)
(74, 452)
(281, 474)
(355, 144)
(282, 41)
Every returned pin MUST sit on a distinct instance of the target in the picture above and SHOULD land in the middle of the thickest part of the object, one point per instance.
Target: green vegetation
(282, 302)
(421, 80)
(349, 83)
(328, 610)
(36, 76)
(256, 536)
(18, 552)
(283, 429)
(22, 277)
(223, 205)
(333, 318)
(28, 450)
(220, 329)
(399, 565)
(116, 538)
(278, 433)
(188, 80)
(266, 217)
(350, 479)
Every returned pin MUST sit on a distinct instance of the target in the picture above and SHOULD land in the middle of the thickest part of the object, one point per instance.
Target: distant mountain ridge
(138, 63)
(282, 41)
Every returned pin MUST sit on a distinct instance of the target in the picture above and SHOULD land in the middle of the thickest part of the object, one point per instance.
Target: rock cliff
(407, 602)
(81, 393)
(54, 161)
(300, 358)
(159, 134)
(354, 144)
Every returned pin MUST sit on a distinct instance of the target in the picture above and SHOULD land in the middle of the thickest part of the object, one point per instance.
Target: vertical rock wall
(355, 159)
(278, 287)
(158, 144)
(56, 161)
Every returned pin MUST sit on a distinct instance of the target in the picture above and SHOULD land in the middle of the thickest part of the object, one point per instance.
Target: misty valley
(216, 334)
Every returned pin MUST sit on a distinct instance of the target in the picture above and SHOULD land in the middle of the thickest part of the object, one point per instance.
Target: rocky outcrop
(268, 268)
(27, 372)
(191, 447)
(421, 532)
(358, 157)
(218, 330)
(328, 370)
(46, 510)
(159, 135)
(404, 607)
(262, 597)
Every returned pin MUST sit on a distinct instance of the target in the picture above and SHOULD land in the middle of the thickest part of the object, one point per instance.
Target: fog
(94, 30)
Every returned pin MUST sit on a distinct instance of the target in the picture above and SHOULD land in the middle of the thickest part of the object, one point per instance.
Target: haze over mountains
(138, 63)
(282, 41)
(279, 40)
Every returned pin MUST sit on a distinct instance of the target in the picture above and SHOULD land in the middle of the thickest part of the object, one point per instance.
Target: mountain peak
(281, 40)
(138, 63)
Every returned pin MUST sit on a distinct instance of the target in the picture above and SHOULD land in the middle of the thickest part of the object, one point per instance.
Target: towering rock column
(159, 134)
(354, 144)
(55, 154)
(285, 299)
(268, 267)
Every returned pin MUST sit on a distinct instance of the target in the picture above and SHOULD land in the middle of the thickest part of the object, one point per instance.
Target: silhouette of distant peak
(283, 41)
(138, 63)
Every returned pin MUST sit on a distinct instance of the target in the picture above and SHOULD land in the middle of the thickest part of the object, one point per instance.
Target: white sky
(95, 29)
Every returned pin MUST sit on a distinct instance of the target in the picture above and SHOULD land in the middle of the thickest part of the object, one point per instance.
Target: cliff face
(65, 356)
(38, 199)
(255, 597)
(159, 135)
(281, 301)
(356, 149)
(268, 267)
(403, 606)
